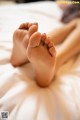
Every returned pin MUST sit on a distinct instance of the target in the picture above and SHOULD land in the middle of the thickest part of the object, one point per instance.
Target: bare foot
(20, 42)
(41, 53)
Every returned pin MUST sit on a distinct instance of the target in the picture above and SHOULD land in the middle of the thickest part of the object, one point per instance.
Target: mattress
(19, 93)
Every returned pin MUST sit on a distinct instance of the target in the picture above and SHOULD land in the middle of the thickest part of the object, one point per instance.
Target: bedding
(19, 93)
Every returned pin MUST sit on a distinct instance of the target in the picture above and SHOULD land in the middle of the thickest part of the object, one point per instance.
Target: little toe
(35, 39)
(50, 44)
(32, 29)
(51, 47)
(52, 51)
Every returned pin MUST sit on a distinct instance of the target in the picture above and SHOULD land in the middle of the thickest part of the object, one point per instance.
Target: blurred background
(70, 11)
(20, 1)
(24, 1)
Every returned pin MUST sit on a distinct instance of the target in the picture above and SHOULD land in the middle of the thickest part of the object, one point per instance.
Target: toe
(35, 39)
(29, 25)
(50, 44)
(43, 37)
(35, 23)
(32, 29)
(51, 47)
(24, 26)
(52, 51)
(47, 41)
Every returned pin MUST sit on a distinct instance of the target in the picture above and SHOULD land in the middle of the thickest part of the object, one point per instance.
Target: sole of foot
(42, 54)
(20, 42)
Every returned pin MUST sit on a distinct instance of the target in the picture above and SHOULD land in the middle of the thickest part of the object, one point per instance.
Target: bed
(19, 93)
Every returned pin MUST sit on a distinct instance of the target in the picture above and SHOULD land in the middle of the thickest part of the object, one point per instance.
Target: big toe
(33, 29)
(35, 39)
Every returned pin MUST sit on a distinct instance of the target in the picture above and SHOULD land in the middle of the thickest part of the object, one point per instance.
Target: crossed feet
(32, 46)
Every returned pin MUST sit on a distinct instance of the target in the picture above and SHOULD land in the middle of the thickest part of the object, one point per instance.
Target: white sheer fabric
(19, 93)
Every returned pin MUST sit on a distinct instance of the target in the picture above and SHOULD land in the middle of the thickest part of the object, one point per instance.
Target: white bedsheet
(19, 93)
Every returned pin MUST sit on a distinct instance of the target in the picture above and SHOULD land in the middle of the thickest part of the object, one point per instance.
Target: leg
(41, 54)
(20, 42)
(60, 34)
(70, 47)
